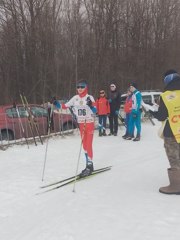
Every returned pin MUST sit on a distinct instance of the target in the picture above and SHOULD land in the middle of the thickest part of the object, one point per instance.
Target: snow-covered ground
(123, 203)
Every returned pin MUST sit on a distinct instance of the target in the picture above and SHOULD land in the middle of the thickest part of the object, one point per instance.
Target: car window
(22, 112)
(156, 98)
(147, 99)
(39, 112)
(12, 112)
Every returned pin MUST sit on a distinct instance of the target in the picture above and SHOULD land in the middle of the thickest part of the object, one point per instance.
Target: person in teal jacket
(135, 113)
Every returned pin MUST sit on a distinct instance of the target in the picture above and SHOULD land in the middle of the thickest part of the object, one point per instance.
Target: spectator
(127, 110)
(135, 113)
(115, 102)
(103, 110)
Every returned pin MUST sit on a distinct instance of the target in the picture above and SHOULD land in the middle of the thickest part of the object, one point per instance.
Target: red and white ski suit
(85, 119)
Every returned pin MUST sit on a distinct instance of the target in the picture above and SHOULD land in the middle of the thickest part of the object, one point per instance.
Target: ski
(78, 178)
(73, 177)
(31, 119)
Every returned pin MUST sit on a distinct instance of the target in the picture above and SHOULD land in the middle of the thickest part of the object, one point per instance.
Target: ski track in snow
(123, 203)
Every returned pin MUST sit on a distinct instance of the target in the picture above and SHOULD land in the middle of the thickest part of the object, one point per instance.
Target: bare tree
(48, 45)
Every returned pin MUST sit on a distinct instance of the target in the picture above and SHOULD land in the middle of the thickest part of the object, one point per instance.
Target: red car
(14, 122)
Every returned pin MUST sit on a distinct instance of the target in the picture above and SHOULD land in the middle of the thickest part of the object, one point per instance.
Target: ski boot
(87, 171)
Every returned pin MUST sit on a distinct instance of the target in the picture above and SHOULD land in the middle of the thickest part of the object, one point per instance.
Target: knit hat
(133, 84)
(169, 76)
(170, 71)
(82, 83)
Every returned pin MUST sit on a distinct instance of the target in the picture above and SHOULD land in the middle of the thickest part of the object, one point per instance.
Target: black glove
(89, 102)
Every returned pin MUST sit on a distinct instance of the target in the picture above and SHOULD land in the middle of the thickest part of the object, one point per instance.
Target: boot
(174, 179)
(100, 133)
(128, 137)
(104, 133)
(137, 138)
(88, 170)
(125, 135)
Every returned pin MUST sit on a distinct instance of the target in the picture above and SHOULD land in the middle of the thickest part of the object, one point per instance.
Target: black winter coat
(114, 101)
(162, 113)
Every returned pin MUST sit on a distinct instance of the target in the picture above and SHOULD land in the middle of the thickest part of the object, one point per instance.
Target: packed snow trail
(123, 203)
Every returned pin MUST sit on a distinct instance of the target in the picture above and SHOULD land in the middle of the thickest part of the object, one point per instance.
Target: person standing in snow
(135, 120)
(127, 110)
(169, 111)
(115, 102)
(83, 106)
(103, 110)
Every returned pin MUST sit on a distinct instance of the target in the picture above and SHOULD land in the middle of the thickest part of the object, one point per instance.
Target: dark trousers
(113, 123)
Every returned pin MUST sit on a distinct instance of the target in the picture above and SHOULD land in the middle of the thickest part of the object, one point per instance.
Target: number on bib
(81, 112)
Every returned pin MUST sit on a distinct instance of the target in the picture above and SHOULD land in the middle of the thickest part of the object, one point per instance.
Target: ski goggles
(82, 86)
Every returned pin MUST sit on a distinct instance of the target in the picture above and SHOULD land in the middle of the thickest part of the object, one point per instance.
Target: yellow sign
(172, 102)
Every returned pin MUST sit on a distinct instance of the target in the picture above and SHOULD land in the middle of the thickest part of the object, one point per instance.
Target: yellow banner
(172, 102)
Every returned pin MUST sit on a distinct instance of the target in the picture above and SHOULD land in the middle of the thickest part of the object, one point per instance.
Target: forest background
(46, 46)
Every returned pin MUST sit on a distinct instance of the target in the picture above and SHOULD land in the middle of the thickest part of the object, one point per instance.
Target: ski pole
(149, 116)
(74, 116)
(47, 143)
(33, 120)
(122, 120)
(77, 167)
(29, 119)
(82, 138)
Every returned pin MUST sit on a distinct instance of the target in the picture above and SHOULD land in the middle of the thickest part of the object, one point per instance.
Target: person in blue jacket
(136, 112)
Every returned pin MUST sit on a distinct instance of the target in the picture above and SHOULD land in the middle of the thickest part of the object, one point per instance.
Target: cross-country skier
(83, 106)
